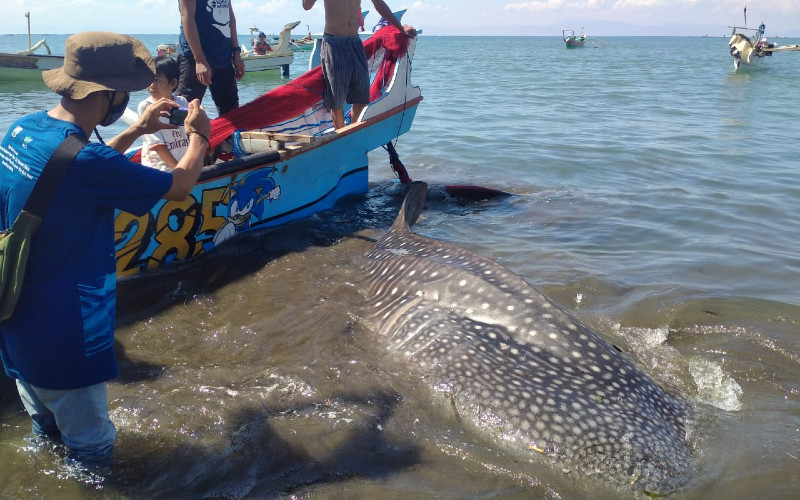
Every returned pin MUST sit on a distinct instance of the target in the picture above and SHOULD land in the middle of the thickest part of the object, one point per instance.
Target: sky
(442, 18)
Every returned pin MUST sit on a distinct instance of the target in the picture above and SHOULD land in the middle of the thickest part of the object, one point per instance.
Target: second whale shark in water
(518, 367)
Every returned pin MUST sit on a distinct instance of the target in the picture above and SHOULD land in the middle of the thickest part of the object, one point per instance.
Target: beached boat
(280, 58)
(288, 163)
(752, 50)
(26, 65)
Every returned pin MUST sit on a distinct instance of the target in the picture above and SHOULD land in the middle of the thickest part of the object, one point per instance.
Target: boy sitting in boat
(261, 47)
(163, 149)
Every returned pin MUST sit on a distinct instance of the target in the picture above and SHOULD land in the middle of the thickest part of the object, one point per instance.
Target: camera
(178, 115)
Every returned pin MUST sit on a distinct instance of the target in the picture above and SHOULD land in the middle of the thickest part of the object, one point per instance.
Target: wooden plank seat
(257, 142)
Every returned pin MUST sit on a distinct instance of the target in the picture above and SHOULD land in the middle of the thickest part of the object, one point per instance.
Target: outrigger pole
(28, 17)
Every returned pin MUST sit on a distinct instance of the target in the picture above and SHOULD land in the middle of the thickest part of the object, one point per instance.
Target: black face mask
(115, 112)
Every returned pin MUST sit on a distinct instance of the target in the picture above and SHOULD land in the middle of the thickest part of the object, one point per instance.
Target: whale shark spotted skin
(519, 368)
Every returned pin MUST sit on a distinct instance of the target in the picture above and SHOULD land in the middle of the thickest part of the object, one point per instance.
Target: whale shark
(519, 369)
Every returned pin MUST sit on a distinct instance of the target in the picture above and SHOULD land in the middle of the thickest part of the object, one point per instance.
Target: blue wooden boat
(280, 169)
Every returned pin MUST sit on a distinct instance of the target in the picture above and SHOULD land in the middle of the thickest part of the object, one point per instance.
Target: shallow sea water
(655, 197)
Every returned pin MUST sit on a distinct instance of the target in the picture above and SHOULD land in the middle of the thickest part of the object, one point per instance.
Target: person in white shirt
(164, 148)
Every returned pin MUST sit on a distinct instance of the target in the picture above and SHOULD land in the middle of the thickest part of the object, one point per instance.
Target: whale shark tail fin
(412, 207)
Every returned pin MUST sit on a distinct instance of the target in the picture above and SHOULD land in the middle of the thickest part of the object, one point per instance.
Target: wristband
(201, 135)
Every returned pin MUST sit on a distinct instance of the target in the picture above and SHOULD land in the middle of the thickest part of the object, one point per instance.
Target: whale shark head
(518, 368)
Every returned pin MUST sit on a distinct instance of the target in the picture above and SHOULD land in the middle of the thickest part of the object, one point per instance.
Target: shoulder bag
(15, 242)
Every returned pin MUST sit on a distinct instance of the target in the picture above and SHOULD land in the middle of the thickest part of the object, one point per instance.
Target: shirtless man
(344, 62)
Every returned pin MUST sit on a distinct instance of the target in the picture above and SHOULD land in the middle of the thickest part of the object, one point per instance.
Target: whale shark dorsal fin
(411, 208)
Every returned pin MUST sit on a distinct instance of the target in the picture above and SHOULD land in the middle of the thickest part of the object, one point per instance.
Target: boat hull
(303, 45)
(254, 63)
(291, 187)
(17, 67)
(285, 170)
(574, 42)
(755, 63)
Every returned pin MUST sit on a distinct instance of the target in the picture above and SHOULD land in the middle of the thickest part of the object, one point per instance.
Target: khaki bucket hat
(98, 60)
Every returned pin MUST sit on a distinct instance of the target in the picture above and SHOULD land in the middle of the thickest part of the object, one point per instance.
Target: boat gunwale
(38, 56)
(219, 171)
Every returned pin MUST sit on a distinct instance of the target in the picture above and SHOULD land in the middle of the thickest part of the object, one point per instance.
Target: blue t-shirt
(61, 335)
(213, 19)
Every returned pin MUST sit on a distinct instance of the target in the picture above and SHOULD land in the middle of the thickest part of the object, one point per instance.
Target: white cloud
(548, 5)
(639, 4)
(425, 7)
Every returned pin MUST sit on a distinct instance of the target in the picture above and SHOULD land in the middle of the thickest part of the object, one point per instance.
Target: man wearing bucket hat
(59, 342)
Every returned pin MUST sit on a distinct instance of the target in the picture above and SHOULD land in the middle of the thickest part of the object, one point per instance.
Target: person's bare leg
(356, 113)
(338, 118)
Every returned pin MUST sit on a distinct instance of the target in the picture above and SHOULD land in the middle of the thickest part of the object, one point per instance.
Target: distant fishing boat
(280, 57)
(305, 44)
(574, 41)
(25, 65)
(752, 50)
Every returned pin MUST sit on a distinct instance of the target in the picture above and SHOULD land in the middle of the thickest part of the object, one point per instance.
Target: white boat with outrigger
(26, 64)
(751, 51)
(279, 58)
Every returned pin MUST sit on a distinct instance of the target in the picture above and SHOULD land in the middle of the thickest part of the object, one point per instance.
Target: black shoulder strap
(53, 172)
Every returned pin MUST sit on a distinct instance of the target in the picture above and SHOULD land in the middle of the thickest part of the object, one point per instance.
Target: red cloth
(277, 105)
(292, 99)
